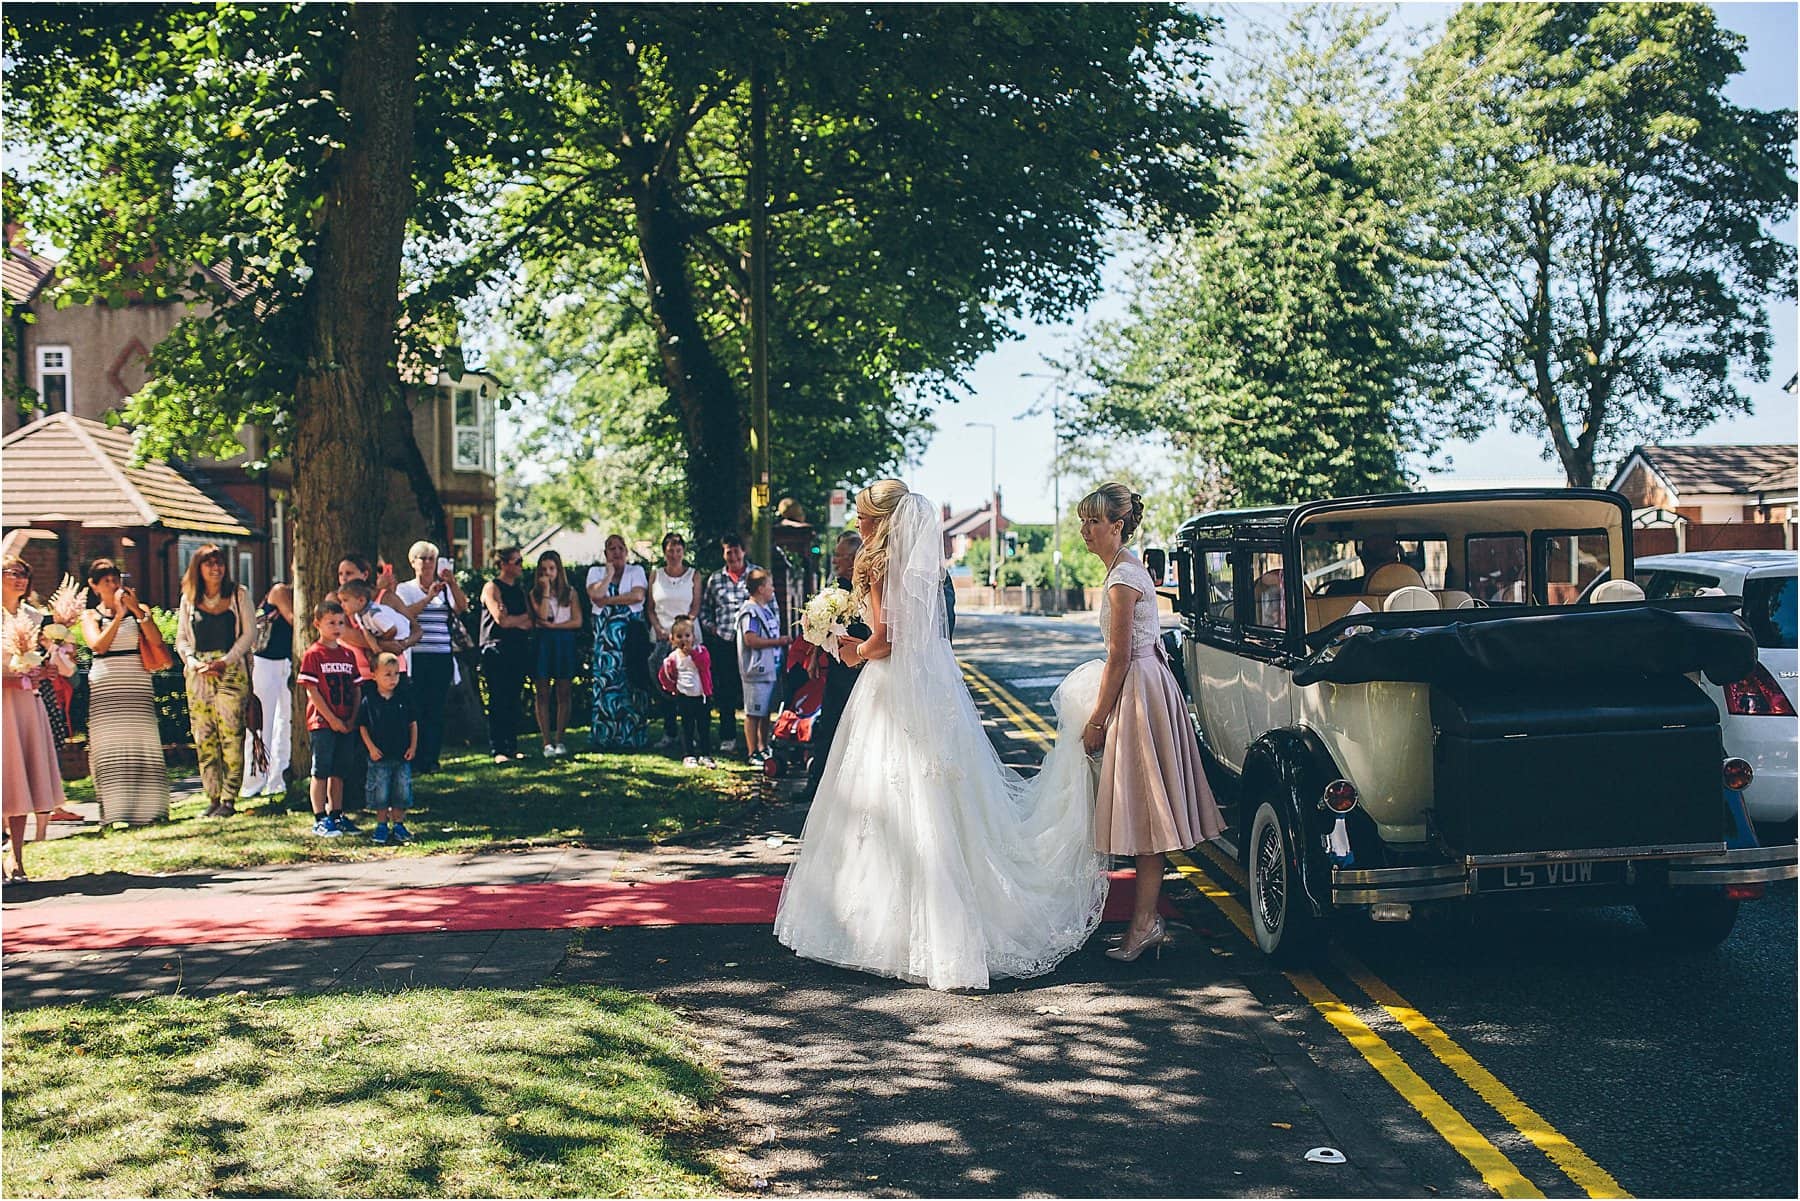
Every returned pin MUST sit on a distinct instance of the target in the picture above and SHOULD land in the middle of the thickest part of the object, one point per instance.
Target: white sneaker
(708, 761)
(549, 750)
(690, 761)
(562, 750)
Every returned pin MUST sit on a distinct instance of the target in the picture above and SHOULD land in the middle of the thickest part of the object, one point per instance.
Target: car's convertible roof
(1293, 515)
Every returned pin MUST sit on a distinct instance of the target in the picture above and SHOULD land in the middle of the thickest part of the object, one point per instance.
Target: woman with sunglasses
(435, 596)
(124, 742)
(213, 637)
(558, 618)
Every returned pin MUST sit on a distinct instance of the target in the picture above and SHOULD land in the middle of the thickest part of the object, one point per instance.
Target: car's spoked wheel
(1277, 913)
(1271, 877)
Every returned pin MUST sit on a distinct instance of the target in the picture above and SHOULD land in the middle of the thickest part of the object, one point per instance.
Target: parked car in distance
(1430, 700)
(1757, 713)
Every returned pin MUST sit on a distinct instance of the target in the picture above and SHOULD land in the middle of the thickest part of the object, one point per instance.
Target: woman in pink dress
(1152, 796)
(29, 767)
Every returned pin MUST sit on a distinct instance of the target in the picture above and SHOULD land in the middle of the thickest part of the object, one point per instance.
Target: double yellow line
(1495, 1168)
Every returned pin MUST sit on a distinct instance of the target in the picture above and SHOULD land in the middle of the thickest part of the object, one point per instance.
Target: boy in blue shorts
(390, 733)
(328, 674)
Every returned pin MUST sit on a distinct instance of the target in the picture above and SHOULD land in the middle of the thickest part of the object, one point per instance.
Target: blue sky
(955, 468)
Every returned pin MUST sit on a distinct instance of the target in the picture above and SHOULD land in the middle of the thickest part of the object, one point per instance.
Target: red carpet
(200, 917)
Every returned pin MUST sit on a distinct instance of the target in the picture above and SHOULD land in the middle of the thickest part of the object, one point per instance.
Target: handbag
(265, 629)
(152, 650)
(461, 640)
(253, 724)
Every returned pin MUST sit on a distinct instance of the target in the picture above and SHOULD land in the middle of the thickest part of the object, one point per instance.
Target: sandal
(60, 814)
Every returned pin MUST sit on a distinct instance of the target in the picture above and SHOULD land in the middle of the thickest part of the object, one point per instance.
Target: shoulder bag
(152, 650)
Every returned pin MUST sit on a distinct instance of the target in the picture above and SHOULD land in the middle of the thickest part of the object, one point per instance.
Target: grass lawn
(469, 805)
(542, 1092)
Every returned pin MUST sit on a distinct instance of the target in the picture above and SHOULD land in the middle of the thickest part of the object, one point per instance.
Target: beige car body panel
(1379, 735)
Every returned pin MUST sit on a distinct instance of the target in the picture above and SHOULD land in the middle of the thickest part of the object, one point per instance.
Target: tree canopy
(936, 173)
(1275, 346)
(1595, 219)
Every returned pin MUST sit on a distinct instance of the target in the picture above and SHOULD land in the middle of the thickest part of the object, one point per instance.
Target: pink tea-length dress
(29, 776)
(1152, 794)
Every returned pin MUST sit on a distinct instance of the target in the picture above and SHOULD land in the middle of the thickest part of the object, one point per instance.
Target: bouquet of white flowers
(826, 619)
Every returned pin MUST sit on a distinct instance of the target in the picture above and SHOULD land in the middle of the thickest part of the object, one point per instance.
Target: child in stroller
(800, 692)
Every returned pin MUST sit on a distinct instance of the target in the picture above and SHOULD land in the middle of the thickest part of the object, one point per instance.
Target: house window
(461, 532)
(487, 534)
(54, 386)
(472, 429)
(246, 571)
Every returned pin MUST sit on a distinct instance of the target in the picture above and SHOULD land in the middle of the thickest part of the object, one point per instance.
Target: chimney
(946, 512)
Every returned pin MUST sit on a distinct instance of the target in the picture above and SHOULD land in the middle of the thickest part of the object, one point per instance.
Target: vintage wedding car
(1437, 699)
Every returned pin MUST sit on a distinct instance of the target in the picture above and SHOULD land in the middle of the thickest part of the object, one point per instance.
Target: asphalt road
(1673, 1074)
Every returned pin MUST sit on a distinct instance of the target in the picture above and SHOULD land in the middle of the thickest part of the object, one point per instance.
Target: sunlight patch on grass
(543, 1092)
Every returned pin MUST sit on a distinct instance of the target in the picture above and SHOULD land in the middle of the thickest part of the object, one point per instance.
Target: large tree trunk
(712, 412)
(350, 377)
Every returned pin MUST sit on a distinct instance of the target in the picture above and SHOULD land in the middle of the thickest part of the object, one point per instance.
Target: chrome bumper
(1692, 864)
(1746, 865)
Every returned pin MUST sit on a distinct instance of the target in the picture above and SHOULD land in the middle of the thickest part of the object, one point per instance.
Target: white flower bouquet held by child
(826, 619)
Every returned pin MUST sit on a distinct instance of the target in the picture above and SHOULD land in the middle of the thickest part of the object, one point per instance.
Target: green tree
(1273, 346)
(935, 174)
(268, 166)
(1597, 216)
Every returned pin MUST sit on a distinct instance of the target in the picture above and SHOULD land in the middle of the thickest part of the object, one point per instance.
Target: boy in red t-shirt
(328, 673)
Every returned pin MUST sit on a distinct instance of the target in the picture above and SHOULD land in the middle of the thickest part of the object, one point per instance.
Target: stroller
(802, 695)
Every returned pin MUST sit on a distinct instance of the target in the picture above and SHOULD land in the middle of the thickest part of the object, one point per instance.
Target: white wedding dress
(924, 857)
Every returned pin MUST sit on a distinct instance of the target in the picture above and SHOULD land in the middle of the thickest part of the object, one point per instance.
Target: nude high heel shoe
(1126, 953)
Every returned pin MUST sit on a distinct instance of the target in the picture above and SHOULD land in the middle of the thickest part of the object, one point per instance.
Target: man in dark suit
(839, 679)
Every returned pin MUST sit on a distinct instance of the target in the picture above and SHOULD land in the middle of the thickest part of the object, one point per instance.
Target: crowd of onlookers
(379, 659)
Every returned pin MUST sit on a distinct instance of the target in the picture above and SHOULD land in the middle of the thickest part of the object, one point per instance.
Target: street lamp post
(1056, 555)
(994, 500)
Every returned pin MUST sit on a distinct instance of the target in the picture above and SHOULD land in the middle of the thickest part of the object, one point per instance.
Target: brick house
(971, 526)
(1711, 497)
(85, 360)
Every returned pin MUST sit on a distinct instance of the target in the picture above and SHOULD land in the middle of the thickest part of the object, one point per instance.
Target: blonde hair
(878, 500)
(1113, 501)
(422, 548)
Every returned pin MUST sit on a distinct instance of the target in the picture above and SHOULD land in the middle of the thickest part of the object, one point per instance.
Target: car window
(1669, 585)
(1568, 562)
(1338, 566)
(1769, 611)
(1495, 565)
(1268, 604)
(1218, 595)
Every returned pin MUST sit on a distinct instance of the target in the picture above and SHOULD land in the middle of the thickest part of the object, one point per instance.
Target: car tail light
(1757, 695)
(1738, 775)
(1744, 892)
(1339, 797)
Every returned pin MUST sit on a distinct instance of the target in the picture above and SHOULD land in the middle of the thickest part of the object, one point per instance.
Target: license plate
(1527, 877)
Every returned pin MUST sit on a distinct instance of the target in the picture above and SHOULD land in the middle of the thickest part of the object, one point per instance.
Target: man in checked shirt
(726, 592)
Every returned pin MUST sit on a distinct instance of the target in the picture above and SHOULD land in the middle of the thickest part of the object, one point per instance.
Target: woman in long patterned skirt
(616, 589)
(124, 744)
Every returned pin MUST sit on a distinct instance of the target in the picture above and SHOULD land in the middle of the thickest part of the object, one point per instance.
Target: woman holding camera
(124, 742)
(440, 601)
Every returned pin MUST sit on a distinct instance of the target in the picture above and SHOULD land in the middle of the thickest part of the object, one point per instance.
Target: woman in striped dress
(434, 594)
(124, 744)
(616, 589)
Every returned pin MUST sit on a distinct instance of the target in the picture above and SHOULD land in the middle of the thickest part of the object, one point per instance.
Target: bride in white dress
(924, 857)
